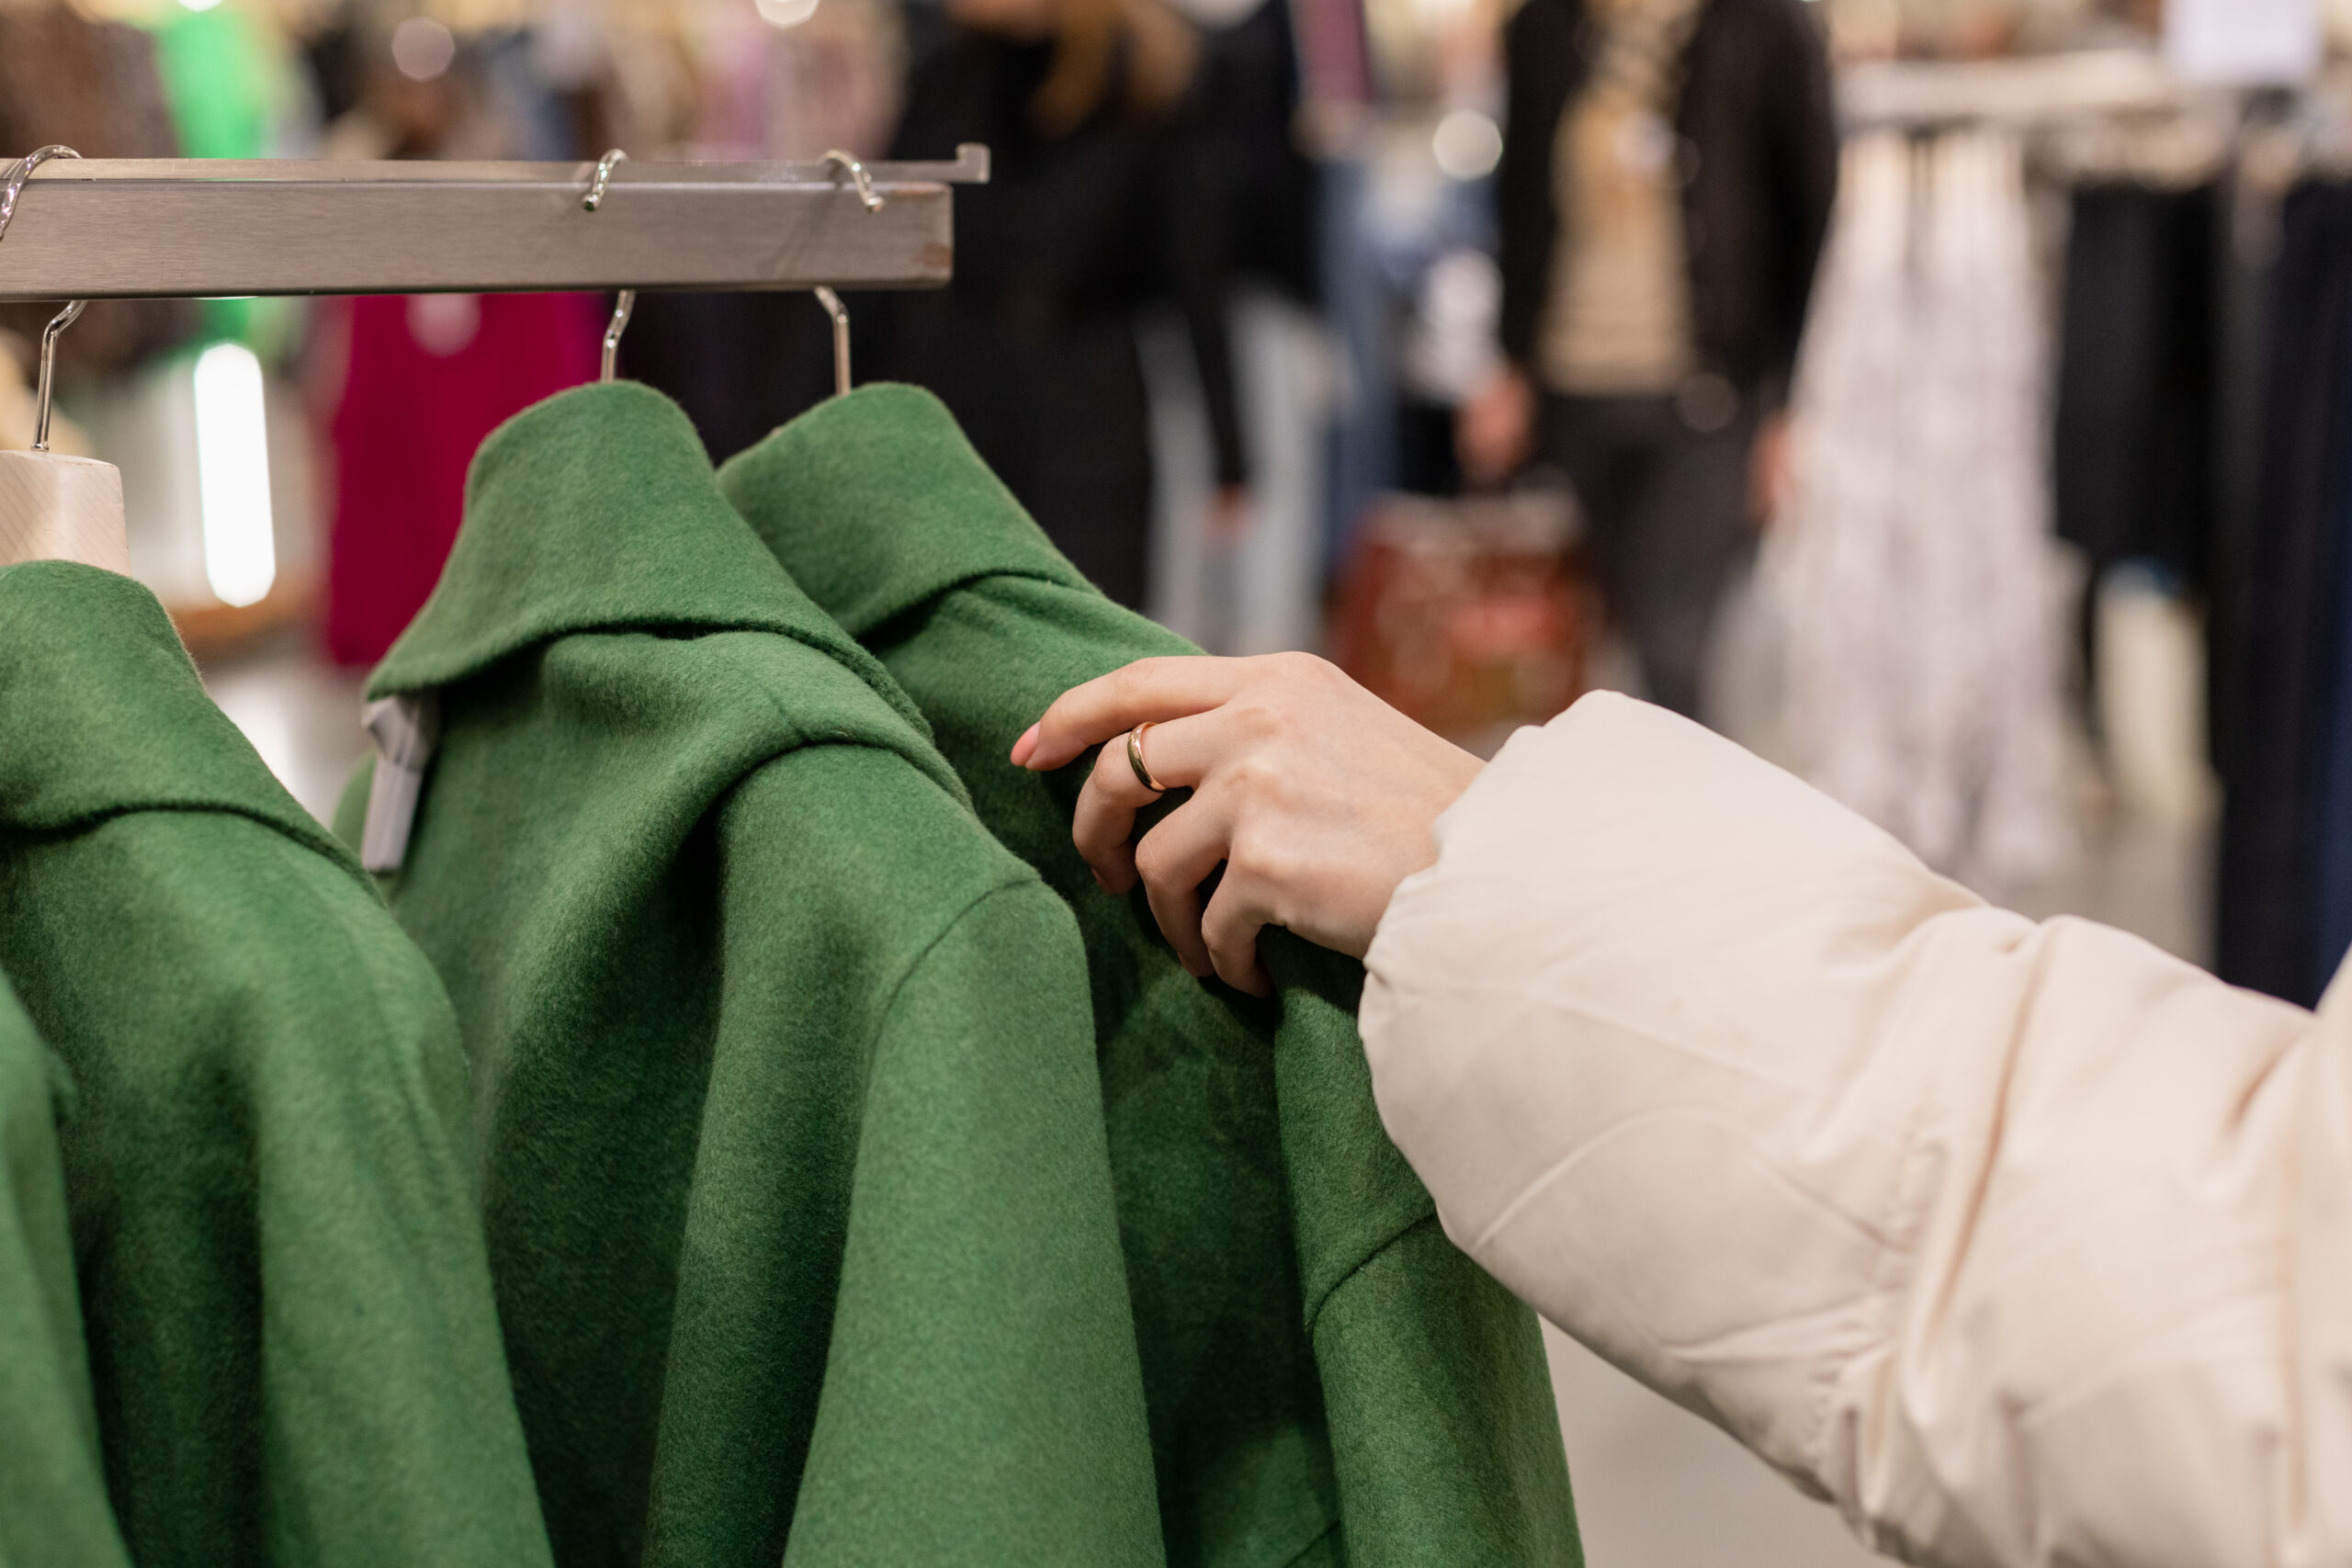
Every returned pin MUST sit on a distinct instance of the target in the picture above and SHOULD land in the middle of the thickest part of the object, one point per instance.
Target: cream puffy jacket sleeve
(2024, 1244)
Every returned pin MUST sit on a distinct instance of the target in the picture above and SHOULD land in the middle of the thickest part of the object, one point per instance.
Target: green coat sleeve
(53, 1500)
(980, 1209)
(293, 1350)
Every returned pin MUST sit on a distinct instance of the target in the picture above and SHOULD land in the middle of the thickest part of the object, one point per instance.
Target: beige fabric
(54, 507)
(1617, 321)
(2025, 1244)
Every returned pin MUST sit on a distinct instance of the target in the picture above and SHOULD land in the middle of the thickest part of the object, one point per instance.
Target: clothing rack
(184, 227)
(2020, 93)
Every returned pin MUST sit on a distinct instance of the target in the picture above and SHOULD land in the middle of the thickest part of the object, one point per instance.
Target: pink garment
(427, 378)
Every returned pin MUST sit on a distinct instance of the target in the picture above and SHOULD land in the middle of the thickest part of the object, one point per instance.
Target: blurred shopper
(1099, 202)
(1666, 177)
(94, 85)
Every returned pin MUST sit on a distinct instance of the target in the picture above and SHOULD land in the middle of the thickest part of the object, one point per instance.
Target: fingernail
(1024, 748)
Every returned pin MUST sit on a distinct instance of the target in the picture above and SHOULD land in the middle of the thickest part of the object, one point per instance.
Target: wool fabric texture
(1329, 1381)
(794, 1172)
(53, 1494)
(294, 1355)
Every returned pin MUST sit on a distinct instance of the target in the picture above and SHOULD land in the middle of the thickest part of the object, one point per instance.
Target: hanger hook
(849, 165)
(23, 172)
(839, 314)
(44, 394)
(604, 168)
(624, 304)
(625, 301)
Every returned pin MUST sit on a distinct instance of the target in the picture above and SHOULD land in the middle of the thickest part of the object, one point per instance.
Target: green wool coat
(1328, 1379)
(53, 1495)
(293, 1350)
(793, 1157)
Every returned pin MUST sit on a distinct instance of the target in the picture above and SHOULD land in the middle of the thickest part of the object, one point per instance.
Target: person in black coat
(1100, 200)
(1669, 167)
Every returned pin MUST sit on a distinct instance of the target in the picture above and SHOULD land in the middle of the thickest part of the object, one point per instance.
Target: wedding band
(1134, 760)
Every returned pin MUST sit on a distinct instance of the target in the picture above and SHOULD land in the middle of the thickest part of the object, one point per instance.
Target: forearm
(1989, 1231)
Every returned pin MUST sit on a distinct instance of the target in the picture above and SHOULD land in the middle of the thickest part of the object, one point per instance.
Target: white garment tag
(406, 730)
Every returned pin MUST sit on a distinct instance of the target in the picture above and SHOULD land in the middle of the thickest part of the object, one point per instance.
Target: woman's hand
(1316, 797)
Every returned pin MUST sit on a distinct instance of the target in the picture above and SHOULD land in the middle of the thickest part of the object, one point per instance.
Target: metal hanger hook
(45, 387)
(23, 172)
(42, 394)
(625, 302)
(848, 164)
(839, 314)
(604, 176)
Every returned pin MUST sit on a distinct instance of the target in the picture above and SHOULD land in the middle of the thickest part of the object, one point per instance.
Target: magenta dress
(425, 381)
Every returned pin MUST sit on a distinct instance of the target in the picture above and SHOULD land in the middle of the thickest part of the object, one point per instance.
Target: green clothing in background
(292, 1345)
(230, 80)
(52, 1499)
(796, 1180)
(1276, 1241)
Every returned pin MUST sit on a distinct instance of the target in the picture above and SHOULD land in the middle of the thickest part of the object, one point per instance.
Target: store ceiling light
(198, 5)
(232, 474)
(785, 13)
(423, 48)
(1467, 145)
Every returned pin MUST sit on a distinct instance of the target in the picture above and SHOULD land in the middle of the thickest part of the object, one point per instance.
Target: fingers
(1174, 860)
(1105, 818)
(1154, 688)
(1229, 931)
(1178, 753)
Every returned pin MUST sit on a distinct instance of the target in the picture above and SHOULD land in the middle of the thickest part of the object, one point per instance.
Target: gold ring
(1134, 760)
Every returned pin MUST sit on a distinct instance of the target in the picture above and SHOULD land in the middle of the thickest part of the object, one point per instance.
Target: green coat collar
(103, 715)
(556, 542)
(909, 509)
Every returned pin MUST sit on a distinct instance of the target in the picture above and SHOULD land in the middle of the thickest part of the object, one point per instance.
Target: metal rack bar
(113, 228)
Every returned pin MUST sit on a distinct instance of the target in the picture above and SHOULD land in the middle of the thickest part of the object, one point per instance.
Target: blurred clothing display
(742, 364)
(234, 93)
(422, 379)
(1914, 561)
(2278, 697)
(1033, 344)
(1666, 175)
(2137, 376)
(95, 86)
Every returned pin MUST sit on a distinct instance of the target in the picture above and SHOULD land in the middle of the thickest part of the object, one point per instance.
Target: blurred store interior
(2046, 575)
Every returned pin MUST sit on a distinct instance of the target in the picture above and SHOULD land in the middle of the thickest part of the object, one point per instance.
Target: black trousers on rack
(2278, 613)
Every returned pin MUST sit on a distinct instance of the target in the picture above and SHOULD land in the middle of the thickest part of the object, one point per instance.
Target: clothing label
(406, 730)
(2243, 42)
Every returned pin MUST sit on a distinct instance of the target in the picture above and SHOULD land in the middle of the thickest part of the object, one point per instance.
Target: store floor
(1655, 1486)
